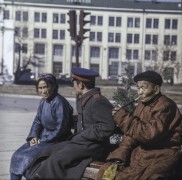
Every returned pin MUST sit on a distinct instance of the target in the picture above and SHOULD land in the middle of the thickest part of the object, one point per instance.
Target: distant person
(51, 125)
(69, 159)
(151, 144)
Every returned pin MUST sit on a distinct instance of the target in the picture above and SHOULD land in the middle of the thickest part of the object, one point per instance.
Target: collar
(155, 98)
(84, 98)
(52, 97)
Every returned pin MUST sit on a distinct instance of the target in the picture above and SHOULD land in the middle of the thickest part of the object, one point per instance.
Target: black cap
(83, 74)
(150, 76)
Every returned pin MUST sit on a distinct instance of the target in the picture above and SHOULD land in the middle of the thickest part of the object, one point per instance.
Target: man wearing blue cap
(69, 159)
(151, 144)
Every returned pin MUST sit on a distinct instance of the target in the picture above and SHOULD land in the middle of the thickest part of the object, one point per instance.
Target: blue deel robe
(52, 124)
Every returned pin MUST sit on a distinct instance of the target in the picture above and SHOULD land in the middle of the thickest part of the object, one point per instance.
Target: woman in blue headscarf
(52, 124)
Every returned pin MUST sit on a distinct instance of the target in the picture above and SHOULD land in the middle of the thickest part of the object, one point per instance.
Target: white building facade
(6, 46)
(123, 34)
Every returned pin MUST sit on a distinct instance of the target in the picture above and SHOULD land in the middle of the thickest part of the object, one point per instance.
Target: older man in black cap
(68, 160)
(151, 143)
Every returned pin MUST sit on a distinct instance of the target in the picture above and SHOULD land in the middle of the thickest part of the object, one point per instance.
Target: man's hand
(34, 141)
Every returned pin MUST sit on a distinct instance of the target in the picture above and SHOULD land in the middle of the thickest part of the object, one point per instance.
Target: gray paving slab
(14, 128)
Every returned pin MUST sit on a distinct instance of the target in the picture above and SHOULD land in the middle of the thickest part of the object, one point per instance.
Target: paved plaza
(14, 128)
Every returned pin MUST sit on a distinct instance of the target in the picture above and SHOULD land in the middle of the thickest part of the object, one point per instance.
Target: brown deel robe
(152, 139)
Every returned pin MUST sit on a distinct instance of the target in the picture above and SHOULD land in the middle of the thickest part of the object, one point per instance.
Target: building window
(93, 20)
(152, 23)
(39, 48)
(151, 55)
(24, 48)
(55, 34)
(92, 36)
(169, 55)
(130, 22)
(43, 33)
(171, 23)
(132, 54)
(147, 55)
(128, 54)
(18, 15)
(96, 20)
(36, 17)
(111, 37)
(94, 67)
(173, 40)
(137, 22)
(114, 37)
(95, 52)
(129, 38)
(118, 21)
(166, 39)
(62, 18)
(155, 39)
(57, 68)
(17, 47)
(62, 34)
(118, 37)
(17, 31)
(154, 55)
(21, 48)
(6, 14)
(113, 68)
(174, 24)
(55, 18)
(25, 32)
(36, 33)
(136, 38)
(148, 23)
(25, 16)
(100, 21)
(167, 23)
(147, 39)
(156, 23)
(99, 36)
(135, 54)
(111, 21)
(173, 55)
(58, 50)
(166, 55)
(96, 36)
(170, 40)
(113, 53)
(133, 22)
(44, 17)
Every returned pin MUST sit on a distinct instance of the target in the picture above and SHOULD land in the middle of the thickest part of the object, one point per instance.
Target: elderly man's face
(146, 90)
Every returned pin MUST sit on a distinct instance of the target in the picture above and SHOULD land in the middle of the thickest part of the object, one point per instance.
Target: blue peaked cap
(83, 74)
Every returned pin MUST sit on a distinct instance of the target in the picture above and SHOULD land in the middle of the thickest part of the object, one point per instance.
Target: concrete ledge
(66, 91)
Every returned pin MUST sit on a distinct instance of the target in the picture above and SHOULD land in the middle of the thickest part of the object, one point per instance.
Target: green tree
(125, 95)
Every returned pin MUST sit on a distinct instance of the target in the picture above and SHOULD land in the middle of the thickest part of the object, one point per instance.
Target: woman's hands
(34, 141)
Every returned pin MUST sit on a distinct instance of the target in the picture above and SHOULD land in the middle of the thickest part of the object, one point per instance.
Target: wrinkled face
(146, 90)
(45, 90)
(78, 87)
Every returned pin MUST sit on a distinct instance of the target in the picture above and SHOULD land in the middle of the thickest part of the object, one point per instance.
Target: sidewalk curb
(28, 96)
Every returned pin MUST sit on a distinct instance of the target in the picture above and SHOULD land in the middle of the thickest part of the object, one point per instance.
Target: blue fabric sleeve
(57, 108)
